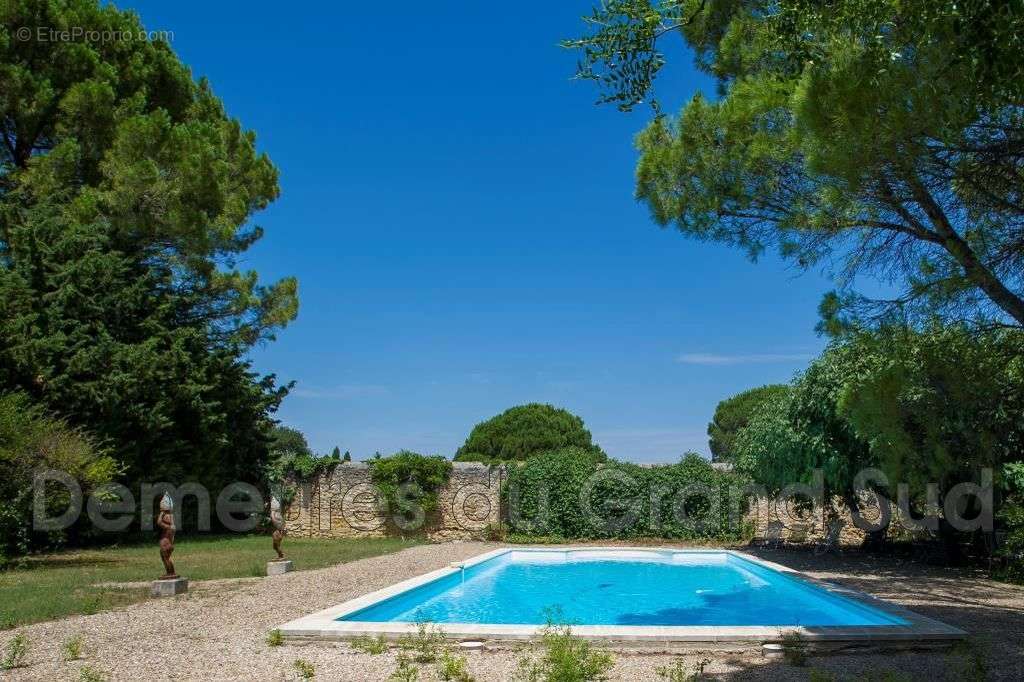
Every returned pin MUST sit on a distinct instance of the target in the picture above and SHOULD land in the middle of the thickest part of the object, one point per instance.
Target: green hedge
(572, 494)
(410, 481)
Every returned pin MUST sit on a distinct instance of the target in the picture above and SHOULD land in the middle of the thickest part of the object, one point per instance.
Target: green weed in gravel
(452, 668)
(681, 673)
(304, 668)
(15, 653)
(794, 649)
(968, 660)
(426, 644)
(370, 645)
(406, 671)
(72, 648)
(566, 658)
(87, 674)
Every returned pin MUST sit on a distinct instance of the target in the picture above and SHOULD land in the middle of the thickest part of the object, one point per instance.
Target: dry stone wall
(343, 502)
(812, 524)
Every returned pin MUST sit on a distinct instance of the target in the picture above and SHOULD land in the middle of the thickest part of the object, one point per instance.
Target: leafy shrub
(369, 645)
(292, 459)
(15, 653)
(452, 668)
(426, 644)
(571, 494)
(522, 431)
(275, 638)
(1013, 547)
(30, 440)
(969, 660)
(72, 648)
(90, 674)
(406, 671)
(302, 467)
(409, 481)
(304, 668)
(678, 672)
(1012, 516)
(566, 658)
(794, 649)
(495, 532)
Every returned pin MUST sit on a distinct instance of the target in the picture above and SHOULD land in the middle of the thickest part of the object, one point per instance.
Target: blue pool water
(623, 588)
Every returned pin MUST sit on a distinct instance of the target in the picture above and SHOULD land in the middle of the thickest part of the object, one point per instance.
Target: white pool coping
(324, 625)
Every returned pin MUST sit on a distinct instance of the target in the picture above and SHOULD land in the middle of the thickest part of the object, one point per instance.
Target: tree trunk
(957, 246)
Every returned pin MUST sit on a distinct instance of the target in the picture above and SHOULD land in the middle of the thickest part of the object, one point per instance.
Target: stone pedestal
(279, 567)
(169, 587)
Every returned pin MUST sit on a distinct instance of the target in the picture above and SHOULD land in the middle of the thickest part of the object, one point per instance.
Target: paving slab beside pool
(218, 631)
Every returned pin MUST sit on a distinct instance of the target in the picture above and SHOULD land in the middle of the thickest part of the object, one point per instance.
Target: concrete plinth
(279, 567)
(169, 587)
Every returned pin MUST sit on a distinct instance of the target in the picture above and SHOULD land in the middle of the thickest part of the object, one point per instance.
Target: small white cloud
(749, 359)
(343, 392)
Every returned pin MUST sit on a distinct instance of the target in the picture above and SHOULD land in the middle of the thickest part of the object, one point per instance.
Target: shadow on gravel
(992, 612)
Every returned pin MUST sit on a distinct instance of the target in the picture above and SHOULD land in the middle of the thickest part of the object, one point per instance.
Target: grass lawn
(63, 584)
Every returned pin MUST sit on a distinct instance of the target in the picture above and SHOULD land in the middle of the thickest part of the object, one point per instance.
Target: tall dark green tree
(926, 407)
(733, 414)
(285, 440)
(126, 195)
(525, 430)
(938, 405)
(793, 433)
(866, 137)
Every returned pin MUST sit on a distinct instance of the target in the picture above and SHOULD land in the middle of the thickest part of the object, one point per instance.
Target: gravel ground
(218, 630)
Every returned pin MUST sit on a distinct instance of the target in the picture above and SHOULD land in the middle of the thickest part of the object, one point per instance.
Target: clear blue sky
(461, 220)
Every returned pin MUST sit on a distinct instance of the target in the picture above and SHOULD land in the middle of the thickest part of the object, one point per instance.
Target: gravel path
(218, 630)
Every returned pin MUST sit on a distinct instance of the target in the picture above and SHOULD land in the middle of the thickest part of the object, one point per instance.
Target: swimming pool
(621, 593)
(622, 588)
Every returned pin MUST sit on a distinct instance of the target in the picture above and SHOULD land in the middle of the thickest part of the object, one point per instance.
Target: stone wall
(766, 510)
(343, 502)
